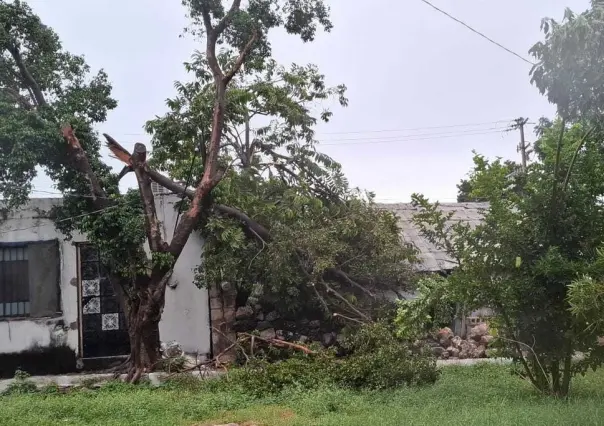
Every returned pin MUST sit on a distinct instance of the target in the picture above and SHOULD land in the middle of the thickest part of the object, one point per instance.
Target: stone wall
(222, 319)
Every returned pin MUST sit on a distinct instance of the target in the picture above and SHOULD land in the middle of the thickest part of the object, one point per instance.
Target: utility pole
(522, 147)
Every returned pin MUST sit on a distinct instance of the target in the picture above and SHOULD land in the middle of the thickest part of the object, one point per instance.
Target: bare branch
(81, 163)
(152, 228)
(343, 299)
(213, 33)
(343, 277)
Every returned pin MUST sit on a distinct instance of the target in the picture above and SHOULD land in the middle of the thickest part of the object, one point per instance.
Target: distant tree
(466, 189)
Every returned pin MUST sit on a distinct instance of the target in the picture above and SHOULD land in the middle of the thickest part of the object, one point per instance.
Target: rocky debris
(453, 352)
(445, 336)
(263, 325)
(486, 339)
(269, 333)
(456, 341)
(476, 332)
(171, 349)
(244, 312)
(445, 345)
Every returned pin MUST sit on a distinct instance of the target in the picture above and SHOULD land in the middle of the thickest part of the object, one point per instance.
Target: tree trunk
(143, 327)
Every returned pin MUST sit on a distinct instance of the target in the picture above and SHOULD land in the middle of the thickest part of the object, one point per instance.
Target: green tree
(569, 73)
(466, 189)
(42, 86)
(284, 227)
(531, 247)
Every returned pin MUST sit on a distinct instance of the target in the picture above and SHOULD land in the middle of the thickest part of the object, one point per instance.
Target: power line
(478, 32)
(400, 138)
(411, 129)
(458, 132)
(413, 140)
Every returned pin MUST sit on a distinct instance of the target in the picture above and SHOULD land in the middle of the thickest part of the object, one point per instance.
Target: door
(103, 325)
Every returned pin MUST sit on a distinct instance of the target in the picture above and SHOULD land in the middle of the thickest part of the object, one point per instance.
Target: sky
(424, 91)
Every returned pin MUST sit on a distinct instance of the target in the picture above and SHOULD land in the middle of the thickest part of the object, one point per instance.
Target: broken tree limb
(282, 343)
(152, 228)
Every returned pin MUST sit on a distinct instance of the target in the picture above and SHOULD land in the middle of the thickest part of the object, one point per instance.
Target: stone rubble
(447, 346)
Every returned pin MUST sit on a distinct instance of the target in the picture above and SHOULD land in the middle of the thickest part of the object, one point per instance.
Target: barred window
(14, 281)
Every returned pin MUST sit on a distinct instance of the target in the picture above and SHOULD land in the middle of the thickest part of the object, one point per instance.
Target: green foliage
(570, 59)
(431, 308)
(375, 359)
(21, 384)
(469, 190)
(276, 175)
(30, 114)
(61, 89)
(464, 394)
(308, 237)
(298, 17)
(378, 360)
(535, 240)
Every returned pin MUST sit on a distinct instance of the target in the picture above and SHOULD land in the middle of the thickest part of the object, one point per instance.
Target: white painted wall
(186, 317)
(27, 225)
(186, 314)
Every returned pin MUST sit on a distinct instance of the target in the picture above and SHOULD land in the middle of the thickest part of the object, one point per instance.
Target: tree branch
(343, 299)
(212, 35)
(345, 278)
(242, 56)
(235, 6)
(26, 76)
(139, 164)
(81, 163)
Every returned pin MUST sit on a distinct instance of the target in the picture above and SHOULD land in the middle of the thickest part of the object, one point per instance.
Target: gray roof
(431, 257)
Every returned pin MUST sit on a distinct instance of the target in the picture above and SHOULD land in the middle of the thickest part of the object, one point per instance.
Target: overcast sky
(410, 72)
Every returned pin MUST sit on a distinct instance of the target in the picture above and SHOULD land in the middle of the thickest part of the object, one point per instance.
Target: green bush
(21, 384)
(375, 359)
(378, 360)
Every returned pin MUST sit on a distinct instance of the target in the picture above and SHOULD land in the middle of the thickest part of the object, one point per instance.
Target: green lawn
(484, 395)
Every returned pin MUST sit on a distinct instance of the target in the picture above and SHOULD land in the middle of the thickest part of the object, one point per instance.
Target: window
(14, 281)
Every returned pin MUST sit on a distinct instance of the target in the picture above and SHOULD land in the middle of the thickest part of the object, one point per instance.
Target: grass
(481, 395)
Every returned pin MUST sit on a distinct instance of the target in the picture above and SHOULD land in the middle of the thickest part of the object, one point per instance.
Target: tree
(283, 226)
(466, 189)
(569, 63)
(533, 244)
(43, 86)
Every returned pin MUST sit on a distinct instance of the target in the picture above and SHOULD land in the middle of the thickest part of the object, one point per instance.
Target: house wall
(30, 224)
(186, 318)
(186, 314)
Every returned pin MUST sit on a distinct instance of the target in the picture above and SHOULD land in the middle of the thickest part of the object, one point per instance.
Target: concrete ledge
(76, 380)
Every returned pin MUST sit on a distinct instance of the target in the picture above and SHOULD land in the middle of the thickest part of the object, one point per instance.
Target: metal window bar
(14, 282)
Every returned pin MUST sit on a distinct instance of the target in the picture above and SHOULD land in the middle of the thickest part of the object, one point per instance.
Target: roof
(431, 257)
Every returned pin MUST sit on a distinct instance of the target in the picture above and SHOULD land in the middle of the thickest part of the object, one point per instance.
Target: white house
(57, 307)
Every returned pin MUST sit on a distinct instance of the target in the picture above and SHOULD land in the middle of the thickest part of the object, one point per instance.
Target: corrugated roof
(433, 258)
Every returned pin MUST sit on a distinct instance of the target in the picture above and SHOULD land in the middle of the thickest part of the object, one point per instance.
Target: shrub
(375, 359)
(378, 360)
(21, 384)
